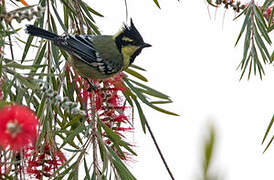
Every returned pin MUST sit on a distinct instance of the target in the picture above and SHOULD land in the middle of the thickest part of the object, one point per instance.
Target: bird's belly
(86, 70)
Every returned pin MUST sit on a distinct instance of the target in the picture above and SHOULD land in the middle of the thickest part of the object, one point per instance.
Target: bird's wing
(81, 47)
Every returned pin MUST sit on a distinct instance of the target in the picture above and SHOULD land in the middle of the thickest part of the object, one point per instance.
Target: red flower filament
(43, 162)
(110, 103)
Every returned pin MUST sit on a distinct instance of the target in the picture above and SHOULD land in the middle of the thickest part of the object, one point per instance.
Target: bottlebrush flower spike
(110, 103)
(44, 161)
(18, 127)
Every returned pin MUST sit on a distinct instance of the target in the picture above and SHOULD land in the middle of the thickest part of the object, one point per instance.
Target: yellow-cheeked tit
(97, 56)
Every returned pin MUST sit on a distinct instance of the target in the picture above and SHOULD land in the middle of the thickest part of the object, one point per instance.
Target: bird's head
(130, 42)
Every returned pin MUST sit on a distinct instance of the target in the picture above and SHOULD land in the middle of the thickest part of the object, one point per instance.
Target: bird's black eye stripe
(133, 43)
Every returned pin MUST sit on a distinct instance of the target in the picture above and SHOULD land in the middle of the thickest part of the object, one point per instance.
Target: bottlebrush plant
(49, 120)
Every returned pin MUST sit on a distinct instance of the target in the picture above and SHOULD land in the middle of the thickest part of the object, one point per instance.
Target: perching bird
(97, 57)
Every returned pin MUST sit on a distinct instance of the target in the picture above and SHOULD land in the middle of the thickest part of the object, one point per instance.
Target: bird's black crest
(129, 32)
(132, 33)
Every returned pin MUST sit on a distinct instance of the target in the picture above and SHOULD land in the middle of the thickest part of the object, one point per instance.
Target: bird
(97, 57)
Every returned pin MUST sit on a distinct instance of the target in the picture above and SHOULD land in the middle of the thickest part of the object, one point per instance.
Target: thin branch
(79, 16)
(11, 49)
(159, 150)
(126, 10)
(94, 137)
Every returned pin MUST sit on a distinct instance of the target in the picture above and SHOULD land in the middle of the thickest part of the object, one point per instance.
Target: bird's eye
(126, 43)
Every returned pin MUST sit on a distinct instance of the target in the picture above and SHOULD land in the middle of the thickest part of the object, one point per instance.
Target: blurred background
(193, 59)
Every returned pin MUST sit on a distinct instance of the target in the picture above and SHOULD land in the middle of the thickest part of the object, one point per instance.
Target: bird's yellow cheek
(127, 52)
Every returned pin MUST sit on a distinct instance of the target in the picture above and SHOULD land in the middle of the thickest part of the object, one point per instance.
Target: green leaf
(259, 15)
(93, 11)
(13, 64)
(93, 26)
(73, 150)
(144, 100)
(55, 56)
(86, 170)
(263, 31)
(121, 169)
(210, 3)
(269, 29)
(161, 102)
(150, 90)
(136, 74)
(262, 46)
(127, 147)
(208, 152)
(69, 7)
(157, 3)
(66, 164)
(29, 83)
(266, 4)
(245, 24)
(59, 18)
(246, 42)
(111, 135)
(116, 139)
(27, 46)
(269, 144)
(243, 12)
(137, 67)
(39, 57)
(141, 115)
(73, 133)
(270, 20)
(65, 172)
(244, 65)
(40, 109)
(257, 63)
(268, 129)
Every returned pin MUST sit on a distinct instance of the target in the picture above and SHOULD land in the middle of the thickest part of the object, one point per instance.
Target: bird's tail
(36, 31)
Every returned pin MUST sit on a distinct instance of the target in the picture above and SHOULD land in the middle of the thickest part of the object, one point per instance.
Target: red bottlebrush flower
(111, 106)
(18, 127)
(267, 14)
(43, 162)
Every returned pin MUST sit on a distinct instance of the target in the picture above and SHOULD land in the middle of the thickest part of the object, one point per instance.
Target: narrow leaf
(153, 91)
(268, 144)
(141, 115)
(144, 100)
(157, 3)
(73, 133)
(268, 129)
(59, 18)
(246, 22)
(263, 31)
(136, 74)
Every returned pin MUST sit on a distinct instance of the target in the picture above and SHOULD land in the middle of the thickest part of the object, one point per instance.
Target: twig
(11, 49)
(159, 150)
(49, 52)
(94, 130)
(126, 10)
(79, 16)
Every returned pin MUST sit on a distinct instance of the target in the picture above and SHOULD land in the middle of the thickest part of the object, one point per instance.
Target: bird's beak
(146, 45)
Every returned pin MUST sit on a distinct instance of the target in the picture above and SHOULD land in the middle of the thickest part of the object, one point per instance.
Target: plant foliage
(72, 120)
